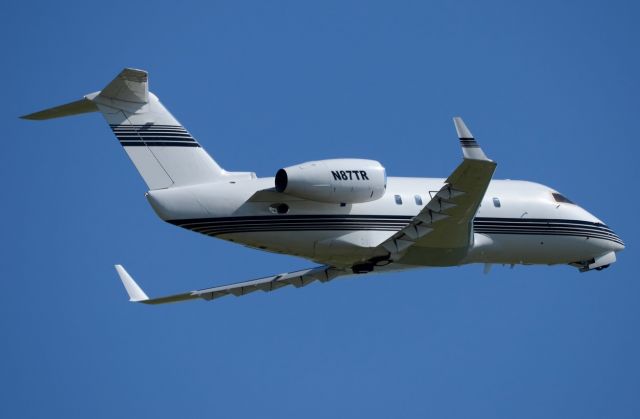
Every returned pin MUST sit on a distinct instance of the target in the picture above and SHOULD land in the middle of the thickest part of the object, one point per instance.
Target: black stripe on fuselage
(486, 225)
(294, 222)
(553, 227)
(313, 217)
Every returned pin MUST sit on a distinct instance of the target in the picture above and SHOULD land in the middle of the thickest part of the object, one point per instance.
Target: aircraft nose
(595, 228)
(617, 245)
(613, 241)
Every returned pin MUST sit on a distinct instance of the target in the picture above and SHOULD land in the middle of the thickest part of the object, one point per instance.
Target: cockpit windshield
(561, 198)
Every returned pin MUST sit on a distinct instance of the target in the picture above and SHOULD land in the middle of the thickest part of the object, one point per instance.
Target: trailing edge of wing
(297, 279)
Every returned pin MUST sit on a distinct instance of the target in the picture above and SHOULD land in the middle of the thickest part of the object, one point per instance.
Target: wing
(297, 279)
(446, 221)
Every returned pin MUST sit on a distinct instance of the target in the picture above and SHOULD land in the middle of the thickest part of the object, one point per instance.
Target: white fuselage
(518, 222)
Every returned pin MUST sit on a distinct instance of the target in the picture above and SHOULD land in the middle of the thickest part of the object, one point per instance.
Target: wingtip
(461, 128)
(133, 289)
(470, 147)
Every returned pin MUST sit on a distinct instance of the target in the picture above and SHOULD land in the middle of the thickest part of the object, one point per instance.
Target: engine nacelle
(337, 181)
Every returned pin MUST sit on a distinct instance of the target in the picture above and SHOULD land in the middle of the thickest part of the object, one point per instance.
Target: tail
(162, 150)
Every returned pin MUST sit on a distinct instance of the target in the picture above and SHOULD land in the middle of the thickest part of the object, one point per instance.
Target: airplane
(344, 214)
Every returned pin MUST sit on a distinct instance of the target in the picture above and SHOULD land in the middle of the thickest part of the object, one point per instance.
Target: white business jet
(344, 214)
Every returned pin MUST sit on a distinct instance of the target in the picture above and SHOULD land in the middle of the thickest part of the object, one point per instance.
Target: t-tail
(162, 150)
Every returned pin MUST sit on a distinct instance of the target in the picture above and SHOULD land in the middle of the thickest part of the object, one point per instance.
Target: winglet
(470, 147)
(135, 292)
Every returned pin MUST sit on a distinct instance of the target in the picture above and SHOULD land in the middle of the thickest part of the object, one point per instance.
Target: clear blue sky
(550, 89)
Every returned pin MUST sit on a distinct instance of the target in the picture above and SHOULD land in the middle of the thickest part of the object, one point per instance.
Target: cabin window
(398, 199)
(561, 198)
(496, 203)
(418, 199)
(279, 208)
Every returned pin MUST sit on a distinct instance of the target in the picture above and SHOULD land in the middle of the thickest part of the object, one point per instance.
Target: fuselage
(518, 222)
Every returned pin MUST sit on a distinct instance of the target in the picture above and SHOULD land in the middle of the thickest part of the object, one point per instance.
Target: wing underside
(298, 279)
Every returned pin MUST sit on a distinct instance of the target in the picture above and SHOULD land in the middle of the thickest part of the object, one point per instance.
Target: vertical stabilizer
(162, 150)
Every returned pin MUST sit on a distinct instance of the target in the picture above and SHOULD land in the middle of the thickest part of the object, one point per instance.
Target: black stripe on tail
(151, 135)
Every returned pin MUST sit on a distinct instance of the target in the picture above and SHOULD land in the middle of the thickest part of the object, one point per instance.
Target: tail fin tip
(131, 85)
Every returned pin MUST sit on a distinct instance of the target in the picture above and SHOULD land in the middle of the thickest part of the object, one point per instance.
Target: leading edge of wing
(297, 279)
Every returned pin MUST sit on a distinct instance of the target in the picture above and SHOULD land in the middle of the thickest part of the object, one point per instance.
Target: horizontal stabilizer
(74, 108)
(130, 86)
